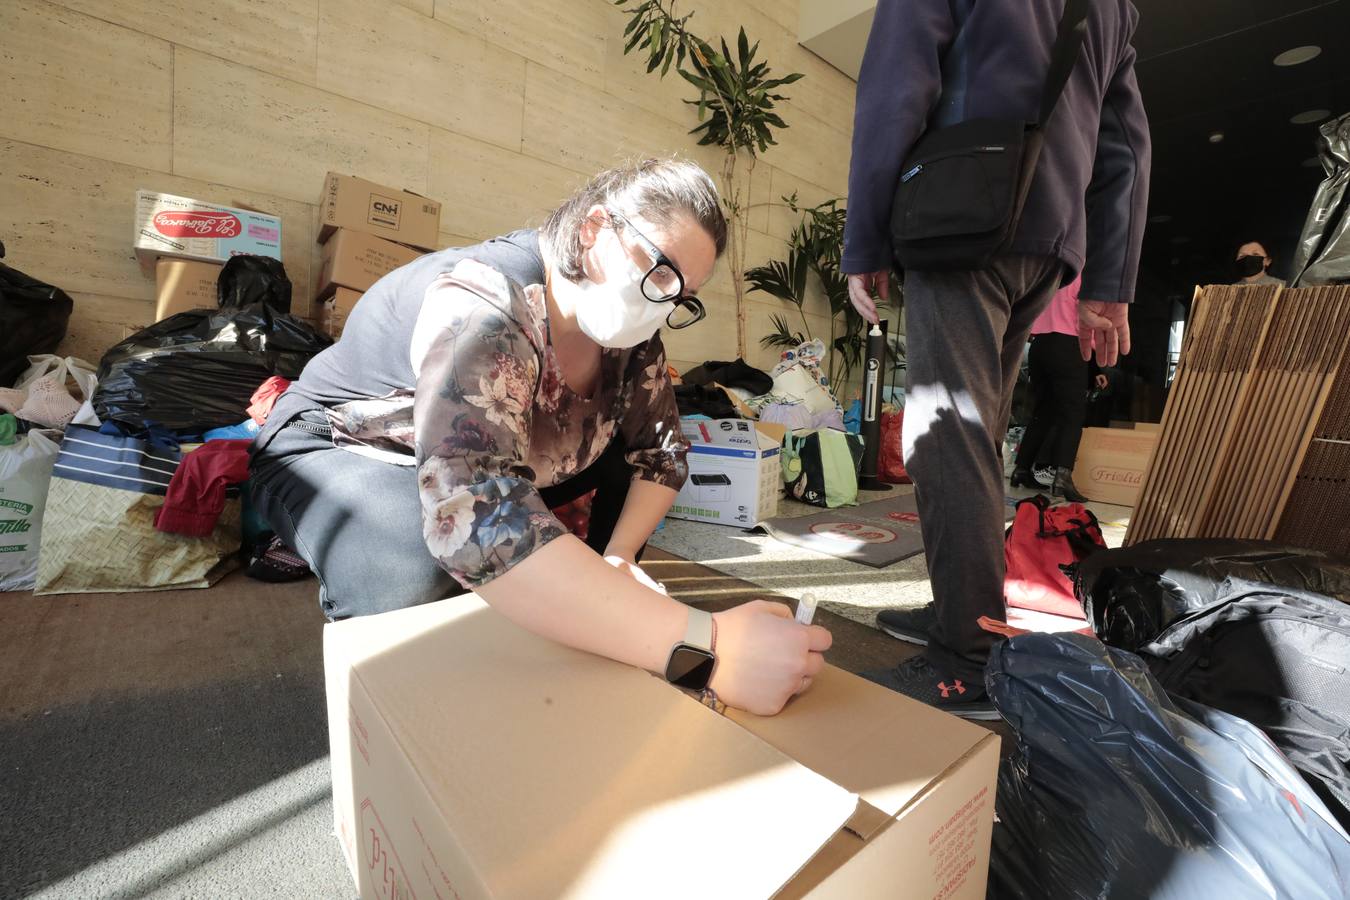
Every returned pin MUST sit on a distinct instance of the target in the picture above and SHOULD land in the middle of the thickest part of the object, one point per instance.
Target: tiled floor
(849, 589)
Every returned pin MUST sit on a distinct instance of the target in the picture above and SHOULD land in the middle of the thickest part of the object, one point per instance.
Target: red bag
(891, 461)
(1042, 539)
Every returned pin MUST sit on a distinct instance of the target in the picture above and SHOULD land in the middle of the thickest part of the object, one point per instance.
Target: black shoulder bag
(962, 188)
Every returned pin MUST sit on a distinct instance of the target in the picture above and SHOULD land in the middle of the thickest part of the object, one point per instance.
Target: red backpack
(1040, 542)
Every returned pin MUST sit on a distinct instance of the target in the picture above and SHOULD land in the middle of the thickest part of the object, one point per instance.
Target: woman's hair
(663, 191)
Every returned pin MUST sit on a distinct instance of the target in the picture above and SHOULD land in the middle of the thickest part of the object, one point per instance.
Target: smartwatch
(692, 660)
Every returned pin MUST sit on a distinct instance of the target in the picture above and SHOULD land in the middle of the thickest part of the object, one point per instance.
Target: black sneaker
(1043, 475)
(918, 680)
(910, 624)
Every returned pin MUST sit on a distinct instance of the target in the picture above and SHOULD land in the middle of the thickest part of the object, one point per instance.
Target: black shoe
(1022, 478)
(918, 680)
(1044, 476)
(910, 624)
(1064, 487)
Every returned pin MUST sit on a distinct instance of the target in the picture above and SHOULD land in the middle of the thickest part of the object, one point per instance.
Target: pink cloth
(1061, 316)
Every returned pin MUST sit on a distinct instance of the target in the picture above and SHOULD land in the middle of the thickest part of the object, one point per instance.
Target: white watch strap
(698, 632)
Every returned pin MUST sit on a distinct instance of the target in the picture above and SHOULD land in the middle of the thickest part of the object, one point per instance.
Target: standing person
(477, 387)
(930, 64)
(1059, 377)
(1252, 265)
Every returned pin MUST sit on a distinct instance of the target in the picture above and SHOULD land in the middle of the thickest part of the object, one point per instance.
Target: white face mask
(616, 314)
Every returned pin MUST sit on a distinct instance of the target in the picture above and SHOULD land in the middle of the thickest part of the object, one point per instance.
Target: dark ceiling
(1206, 66)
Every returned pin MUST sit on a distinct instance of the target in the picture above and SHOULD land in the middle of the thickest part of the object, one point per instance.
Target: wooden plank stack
(1256, 375)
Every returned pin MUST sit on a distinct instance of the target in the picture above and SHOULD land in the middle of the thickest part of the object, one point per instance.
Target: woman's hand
(764, 657)
(629, 567)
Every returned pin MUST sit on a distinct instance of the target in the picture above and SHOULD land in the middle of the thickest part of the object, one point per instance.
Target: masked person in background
(477, 388)
(1253, 265)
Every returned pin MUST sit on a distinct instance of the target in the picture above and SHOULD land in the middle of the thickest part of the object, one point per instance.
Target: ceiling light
(1216, 137)
(1160, 219)
(1311, 116)
(1298, 56)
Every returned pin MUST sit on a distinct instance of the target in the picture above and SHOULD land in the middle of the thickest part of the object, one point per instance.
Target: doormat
(875, 534)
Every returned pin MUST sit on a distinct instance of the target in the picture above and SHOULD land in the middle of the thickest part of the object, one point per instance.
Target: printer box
(734, 474)
(474, 759)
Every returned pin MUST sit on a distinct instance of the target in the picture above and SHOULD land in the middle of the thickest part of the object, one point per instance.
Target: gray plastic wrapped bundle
(1118, 791)
(1323, 255)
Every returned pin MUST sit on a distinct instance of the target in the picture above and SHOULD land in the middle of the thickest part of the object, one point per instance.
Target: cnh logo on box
(197, 224)
(384, 211)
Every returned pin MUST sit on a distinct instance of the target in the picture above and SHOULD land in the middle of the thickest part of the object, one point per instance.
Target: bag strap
(1064, 56)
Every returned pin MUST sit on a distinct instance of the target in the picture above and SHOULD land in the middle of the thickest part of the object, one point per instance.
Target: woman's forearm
(564, 591)
(647, 504)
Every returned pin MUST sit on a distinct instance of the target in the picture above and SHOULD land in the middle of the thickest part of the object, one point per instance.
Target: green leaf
(774, 120)
(702, 84)
(743, 48)
(632, 23)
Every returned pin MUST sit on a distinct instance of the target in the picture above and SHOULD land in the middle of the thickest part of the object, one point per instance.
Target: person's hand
(860, 288)
(629, 567)
(1104, 326)
(764, 657)
(1101, 381)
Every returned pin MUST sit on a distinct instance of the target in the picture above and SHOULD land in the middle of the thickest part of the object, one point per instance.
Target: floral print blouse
(492, 420)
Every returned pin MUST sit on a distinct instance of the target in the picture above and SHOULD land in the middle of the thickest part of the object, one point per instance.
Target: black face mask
(1247, 266)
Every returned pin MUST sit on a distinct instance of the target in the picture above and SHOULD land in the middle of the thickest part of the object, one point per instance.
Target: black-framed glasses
(664, 282)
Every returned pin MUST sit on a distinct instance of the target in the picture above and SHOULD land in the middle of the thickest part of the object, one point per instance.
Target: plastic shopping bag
(54, 392)
(25, 474)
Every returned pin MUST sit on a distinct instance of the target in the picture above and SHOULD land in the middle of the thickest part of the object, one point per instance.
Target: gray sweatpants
(965, 333)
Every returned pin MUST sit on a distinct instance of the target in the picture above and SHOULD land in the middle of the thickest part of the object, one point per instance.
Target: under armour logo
(947, 691)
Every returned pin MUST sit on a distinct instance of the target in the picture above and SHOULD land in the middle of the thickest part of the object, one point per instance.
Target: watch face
(690, 668)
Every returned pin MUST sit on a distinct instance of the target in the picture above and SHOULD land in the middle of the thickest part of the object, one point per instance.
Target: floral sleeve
(651, 425)
(481, 513)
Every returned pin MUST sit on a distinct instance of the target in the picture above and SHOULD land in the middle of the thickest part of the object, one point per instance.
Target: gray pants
(358, 521)
(965, 332)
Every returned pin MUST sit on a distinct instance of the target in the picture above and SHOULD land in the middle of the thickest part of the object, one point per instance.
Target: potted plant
(814, 248)
(737, 96)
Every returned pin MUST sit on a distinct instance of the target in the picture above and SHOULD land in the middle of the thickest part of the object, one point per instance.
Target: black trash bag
(33, 318)
(1132, 594)
(1117, 791)
(246, 280)
(196, 370)
(1323, 255)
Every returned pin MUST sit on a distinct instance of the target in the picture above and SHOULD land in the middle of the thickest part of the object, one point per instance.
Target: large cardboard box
(181, 227)
(353, 259)
(370, 208)
(1112, 463)
(734, 474)
(334, 311)
(183, 284)
(471, 758)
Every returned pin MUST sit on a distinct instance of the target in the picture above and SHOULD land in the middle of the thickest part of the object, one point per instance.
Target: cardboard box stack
(367, 231)
(576, 776)
(184, 243)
